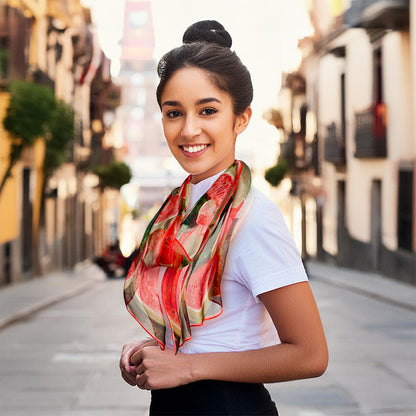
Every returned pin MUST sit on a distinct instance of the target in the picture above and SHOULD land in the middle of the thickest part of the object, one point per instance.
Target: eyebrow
(208, 100)
(199, 102)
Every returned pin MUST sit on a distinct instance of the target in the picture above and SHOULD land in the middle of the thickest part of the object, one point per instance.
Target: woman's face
(199, 123)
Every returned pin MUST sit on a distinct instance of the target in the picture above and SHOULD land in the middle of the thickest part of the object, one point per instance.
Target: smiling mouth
(194, 148)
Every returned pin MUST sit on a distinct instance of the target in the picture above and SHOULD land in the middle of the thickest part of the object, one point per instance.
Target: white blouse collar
(200, 188)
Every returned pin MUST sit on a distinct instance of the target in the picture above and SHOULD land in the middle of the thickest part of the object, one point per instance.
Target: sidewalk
(369, 284)
(23, 299)
(20, 300)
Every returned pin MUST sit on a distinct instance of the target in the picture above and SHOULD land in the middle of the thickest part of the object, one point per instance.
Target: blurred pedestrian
(112, 260)
(217, 283)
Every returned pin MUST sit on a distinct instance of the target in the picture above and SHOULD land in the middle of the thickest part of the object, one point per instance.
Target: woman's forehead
(193, 83)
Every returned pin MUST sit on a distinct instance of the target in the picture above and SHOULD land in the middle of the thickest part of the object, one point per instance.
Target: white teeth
(194, 149)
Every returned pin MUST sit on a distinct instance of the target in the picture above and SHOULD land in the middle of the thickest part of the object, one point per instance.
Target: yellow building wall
(39, 155)
(9, 221)
(336, 7)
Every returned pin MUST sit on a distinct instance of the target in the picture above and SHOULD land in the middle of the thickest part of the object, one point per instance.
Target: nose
(191, 127)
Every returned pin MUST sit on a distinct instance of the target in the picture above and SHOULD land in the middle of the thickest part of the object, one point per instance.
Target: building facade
(53, 221)
(358, 69)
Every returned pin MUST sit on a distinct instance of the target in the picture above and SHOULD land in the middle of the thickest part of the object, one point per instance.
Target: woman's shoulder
(263, 200)
(263, 212)
(263, 252)
(263, 225)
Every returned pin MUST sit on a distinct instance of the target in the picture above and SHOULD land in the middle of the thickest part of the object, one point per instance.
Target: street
(64, 359)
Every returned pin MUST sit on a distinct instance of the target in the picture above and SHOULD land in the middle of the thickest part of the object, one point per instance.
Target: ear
(242, 120)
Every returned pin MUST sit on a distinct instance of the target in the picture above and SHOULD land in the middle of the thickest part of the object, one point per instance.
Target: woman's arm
(302, 353)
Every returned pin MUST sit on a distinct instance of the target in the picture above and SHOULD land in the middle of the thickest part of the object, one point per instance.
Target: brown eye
(173, 114)
(208, 111)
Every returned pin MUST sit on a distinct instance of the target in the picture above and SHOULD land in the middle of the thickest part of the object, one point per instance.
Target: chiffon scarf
(175, 278)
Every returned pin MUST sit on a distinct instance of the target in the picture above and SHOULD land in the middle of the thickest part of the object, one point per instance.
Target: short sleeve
(263, 252)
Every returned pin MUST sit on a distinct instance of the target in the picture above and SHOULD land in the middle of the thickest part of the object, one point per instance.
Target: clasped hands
(147, 366)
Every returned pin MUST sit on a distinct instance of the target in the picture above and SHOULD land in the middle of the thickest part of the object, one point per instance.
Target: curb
(368, 284)
(26, 313)
(82, 278)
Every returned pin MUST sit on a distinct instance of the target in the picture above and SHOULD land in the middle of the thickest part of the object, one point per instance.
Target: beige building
(360, 100)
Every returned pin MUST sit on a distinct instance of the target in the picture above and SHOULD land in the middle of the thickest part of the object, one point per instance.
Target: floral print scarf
(189, 249)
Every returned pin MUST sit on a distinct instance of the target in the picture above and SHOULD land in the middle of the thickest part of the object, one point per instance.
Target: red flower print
(221, 188)
(206, 213)
(170, 210)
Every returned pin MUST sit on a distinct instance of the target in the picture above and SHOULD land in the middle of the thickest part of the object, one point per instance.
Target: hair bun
(208, 31)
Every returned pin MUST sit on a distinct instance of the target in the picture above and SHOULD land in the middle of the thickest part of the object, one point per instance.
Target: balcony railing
(334, 146)
(298, 153)
(378, 14)
(370, 132)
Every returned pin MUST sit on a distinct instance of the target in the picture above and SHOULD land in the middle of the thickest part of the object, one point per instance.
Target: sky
(264, 33)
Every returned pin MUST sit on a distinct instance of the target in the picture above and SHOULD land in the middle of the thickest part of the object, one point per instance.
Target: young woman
(217, 283)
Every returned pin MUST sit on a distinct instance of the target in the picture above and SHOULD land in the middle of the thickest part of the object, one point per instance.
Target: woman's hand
(157, 369)
(128, 369)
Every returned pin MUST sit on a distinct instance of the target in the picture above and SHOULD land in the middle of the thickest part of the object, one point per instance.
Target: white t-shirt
(262, 257)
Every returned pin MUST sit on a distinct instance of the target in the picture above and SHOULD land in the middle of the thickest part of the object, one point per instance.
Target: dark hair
(207, 47)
